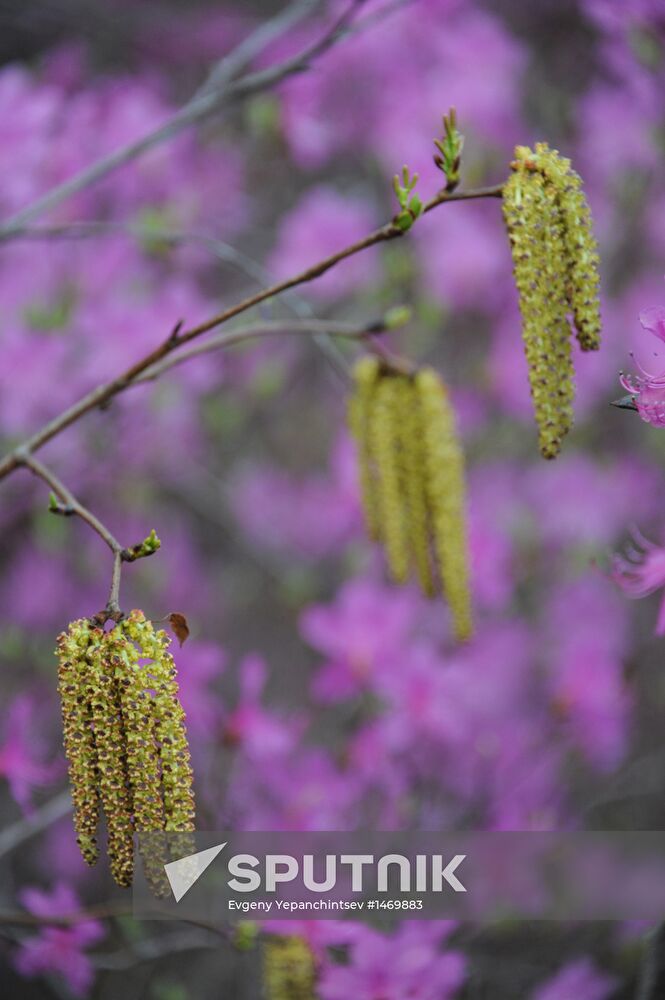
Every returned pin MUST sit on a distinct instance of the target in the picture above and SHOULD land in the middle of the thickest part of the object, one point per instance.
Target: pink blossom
(641, 571)
(407, 963)
(305, 518)
(580, 979)
(653, 320)
(20, 759)
(367, 623)
(649, 389)
(59, 950)
(259, 732)
(199, 665)
(303, 790)
(586, 632)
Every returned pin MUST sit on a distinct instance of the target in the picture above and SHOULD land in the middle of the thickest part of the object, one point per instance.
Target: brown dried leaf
(179, 626)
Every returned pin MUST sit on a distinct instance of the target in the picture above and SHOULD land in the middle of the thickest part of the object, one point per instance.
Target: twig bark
(179, 337)
(307, 327)
(218, 92)
(68, 505)
(42, 817)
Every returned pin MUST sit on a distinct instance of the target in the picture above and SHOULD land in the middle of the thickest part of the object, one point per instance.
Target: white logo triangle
(182, 874)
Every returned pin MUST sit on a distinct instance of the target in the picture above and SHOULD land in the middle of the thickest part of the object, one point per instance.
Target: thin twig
(163, 357)
(90, 229)
(68, 502)
(113, 605)
(178, 337)
(209, 99)
(308, 327)
(41, 818)
(219, 248)
(652, 976)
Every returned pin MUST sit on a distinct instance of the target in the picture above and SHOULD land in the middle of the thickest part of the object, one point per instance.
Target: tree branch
(307, 327)
(67, 505)
(41, 818)
(217, 93)
(165, 357)
(178, 337)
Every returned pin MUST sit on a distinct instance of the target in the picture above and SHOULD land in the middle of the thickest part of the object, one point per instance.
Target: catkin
(383, 444)
(581, 248)
(103, 693)
(446, 495)
(409, 451)
(288, 969)
(555, 263)
(126, 742)
(365, 373)
(78, 736)
(413, 470)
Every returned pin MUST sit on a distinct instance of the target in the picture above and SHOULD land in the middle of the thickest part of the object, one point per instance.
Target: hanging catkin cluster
(124, 737)
(412, 480)
(288, 969)
(555, 262)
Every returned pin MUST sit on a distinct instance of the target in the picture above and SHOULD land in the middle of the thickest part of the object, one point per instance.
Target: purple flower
(307, 518)
(365, 626)
(586, 639)
(200, 664)
(649, 389)
(580, 979)
(255, 730)
(304, 790)
(59, 950)
(407, 963)
(20, 762)
(641, 572)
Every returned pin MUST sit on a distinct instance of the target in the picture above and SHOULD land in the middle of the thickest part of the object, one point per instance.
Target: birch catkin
(125, 739)
(78, 736)
(410, 455)
(288, 969)
(555, 263)
(446, 496)
(383, 447)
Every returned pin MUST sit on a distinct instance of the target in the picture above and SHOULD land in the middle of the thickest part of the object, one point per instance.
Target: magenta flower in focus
(647, 389)
(641, 572)
(59, 950)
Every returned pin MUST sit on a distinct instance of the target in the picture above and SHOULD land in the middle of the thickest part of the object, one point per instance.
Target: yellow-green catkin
(289, 971)
(103, 688)
(446, 495)
(126, 742)
(384, 445)
(79, 741)
(365, 374)
(555, 267)
(415, 467)
(158, 678)
(411, 459)
(581, 248)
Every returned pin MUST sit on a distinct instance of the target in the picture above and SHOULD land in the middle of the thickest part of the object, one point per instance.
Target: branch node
(174, 337)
